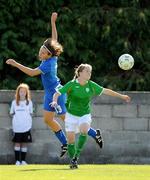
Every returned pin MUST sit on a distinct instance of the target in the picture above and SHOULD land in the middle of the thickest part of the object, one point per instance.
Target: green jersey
(79, 96)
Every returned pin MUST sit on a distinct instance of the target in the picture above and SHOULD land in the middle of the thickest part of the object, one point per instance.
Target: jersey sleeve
(49, 65)
(66, 88)
(44, 67)
(96, 88)
(12, 108)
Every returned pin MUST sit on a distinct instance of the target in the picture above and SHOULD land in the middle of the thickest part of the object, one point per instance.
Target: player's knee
(47, 121)
(83, 131)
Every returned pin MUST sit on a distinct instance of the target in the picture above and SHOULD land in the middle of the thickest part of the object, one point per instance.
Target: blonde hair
(17, 96)
(80, 68)
(54, 47)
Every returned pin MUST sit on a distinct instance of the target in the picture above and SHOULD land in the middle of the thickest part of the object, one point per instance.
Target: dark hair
(53, 46)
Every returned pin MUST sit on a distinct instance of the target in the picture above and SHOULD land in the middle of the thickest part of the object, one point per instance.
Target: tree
(92, 31)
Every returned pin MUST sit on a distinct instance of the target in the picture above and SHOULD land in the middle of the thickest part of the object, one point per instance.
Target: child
(21, 110)
(80, 91)
(48, 55)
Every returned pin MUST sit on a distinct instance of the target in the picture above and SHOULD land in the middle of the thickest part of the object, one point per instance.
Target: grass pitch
(84, 172)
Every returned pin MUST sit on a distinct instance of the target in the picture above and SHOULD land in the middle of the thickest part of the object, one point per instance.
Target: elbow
(58, 94)
(31, 75)
(106, 91)
(34, 72)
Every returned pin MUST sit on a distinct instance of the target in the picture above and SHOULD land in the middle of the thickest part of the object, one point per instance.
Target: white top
(22, 119)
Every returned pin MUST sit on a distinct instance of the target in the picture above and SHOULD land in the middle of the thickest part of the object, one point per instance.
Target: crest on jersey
(87, 89)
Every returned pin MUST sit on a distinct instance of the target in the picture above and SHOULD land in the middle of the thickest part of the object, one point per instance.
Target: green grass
(84, 172)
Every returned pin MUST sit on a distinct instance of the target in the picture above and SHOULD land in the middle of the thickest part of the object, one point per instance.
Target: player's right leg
(72, 150)
(71, 127)
(74, 163)
(17, 153)
(49, 118)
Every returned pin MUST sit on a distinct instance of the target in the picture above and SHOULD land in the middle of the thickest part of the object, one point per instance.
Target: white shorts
(72, 123)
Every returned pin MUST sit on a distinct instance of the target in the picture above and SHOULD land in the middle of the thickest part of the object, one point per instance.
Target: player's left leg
(26, 138)
(63, 146)
(23, 153)
(61, 103)
(96, 134)
(56, 127)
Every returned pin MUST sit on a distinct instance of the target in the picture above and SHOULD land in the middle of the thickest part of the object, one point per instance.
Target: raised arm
(53, 25)
(26, 70)
(110, 92)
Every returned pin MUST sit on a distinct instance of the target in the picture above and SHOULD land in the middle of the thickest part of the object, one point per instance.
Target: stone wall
(125, 129)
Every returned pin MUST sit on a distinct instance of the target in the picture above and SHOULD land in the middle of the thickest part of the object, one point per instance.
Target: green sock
(71, 150)
(81, 141)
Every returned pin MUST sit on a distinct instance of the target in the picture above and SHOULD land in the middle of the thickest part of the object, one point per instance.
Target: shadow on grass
(48, 169)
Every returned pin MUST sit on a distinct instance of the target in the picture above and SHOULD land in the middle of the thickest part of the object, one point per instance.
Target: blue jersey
(50, 81)
(49, 73)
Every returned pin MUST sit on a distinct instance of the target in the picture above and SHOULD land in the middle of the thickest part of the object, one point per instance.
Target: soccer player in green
(80, 91)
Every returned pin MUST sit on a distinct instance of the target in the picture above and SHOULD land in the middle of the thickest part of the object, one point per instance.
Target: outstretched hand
(54, 16)
(126, 98)
(11, 62)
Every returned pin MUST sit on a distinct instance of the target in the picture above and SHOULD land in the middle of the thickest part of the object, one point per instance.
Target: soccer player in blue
(48, 55)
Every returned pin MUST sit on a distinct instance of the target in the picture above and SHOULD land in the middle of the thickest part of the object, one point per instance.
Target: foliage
(93, 31)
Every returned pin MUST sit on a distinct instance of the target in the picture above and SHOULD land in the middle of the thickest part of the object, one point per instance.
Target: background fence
(125, 128)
